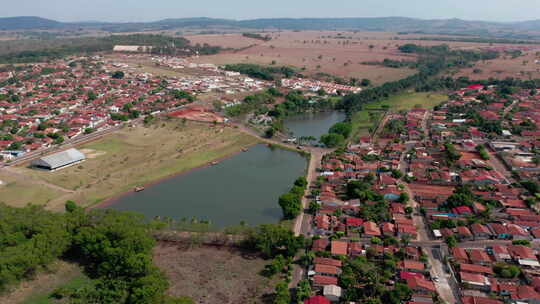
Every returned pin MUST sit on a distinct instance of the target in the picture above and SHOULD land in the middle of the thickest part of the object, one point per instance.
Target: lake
(245, 187)
(313, 124)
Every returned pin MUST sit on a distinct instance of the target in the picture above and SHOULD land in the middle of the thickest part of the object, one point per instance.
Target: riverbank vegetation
(113, 248)
(291, 202)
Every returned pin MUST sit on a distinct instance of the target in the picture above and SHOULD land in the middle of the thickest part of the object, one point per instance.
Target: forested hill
(28, 23)
(395, 24)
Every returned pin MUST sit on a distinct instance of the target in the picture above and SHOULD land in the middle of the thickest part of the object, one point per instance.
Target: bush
(332, 140)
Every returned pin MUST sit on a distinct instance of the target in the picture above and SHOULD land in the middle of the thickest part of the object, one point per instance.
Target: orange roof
(339, 248)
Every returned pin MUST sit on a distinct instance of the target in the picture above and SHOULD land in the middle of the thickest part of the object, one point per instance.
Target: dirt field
(340, 53)
(523, 67)
(235, 41)
(128, 158)
(318, 52)
(213, 275)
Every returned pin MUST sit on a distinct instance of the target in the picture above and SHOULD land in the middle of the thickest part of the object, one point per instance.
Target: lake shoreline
(114, 199)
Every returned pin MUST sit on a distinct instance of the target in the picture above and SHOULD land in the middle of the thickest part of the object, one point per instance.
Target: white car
(436, 279)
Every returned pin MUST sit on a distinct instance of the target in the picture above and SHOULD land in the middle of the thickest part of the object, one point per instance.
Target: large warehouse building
(59, 160)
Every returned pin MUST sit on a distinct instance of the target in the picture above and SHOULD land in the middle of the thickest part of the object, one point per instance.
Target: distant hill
(526, 29)
(28, 23)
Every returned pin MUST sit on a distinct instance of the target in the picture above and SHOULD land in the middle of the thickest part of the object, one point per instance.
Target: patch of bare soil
(212, 275)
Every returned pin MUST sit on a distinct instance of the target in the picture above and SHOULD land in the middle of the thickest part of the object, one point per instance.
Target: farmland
(523, 67)
(318, 52)
(342, 53)
(213, 275)
(129, 158)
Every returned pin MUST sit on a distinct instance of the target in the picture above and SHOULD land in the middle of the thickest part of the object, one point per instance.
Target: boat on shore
(214, 163)
(138, 189)
(245, 150)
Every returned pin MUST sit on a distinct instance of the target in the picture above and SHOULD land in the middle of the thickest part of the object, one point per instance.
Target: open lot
(131, 157)
(364, 120)
(213, 275)
(19, 190)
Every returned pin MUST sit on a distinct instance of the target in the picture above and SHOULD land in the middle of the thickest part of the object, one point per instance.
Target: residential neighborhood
(45, 104)
(445, 200)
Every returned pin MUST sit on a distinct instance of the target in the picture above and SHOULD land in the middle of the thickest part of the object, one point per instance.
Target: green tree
(451, 241)
(290, 205)
(118, 75)
(332, 140)
(303, 291)
(283, 295)
(342, 128)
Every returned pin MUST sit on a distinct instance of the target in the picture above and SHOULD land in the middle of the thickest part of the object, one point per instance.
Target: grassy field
(213, 275)
(135, 156)
(364, 120)
(19, 190)
(38, 290)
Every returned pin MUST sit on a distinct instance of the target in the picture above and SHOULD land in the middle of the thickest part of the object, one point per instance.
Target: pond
(313, 124)
(245, 187)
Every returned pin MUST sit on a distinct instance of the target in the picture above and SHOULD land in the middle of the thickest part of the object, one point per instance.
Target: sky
(141, 10)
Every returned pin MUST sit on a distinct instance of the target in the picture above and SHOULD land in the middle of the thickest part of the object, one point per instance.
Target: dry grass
(236, 41)
(523, 67)
(138, 156)
(19, 191)
(308, 50)
(213, 275)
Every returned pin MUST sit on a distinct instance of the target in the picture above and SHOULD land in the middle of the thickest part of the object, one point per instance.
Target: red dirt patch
(197, 114)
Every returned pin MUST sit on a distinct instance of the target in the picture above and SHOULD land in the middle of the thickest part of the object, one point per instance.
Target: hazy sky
(144, 10)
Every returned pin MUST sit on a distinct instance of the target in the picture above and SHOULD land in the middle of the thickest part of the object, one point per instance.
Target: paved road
(444, 287)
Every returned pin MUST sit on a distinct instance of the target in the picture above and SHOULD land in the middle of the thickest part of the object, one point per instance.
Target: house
(464, 234)
(479, 300)
(421, 285)
(317, 300)
(320, 280)
(371, 229)
(339, 248)
(518, 233)
(327, 270)
(523, 255)
(475, 281)
(478, 269)
(388, 229)
(480, 232)
(327, 261)
(501, 253)
(320, 245)
(411, 266)
(408, 231)
(499, 231)
(479, 257)
(527, 294)
(332, 292)
(460, 255)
